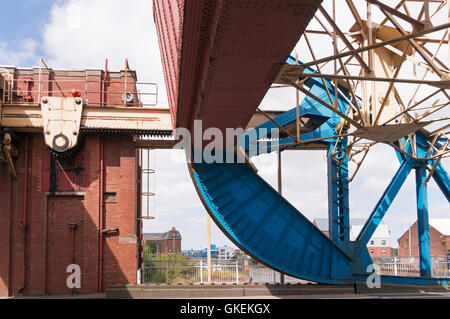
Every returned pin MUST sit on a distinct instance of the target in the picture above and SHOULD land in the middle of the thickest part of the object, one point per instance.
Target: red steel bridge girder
(227, 56)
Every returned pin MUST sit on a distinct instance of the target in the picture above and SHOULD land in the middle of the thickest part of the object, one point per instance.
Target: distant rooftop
(442, 225)
(162, 236)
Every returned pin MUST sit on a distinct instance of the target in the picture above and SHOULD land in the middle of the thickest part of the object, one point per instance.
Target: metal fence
(222, 271)
(244, 271)
(439, 269)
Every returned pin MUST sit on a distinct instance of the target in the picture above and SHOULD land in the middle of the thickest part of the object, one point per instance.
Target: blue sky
(24, 19)
(119, 29)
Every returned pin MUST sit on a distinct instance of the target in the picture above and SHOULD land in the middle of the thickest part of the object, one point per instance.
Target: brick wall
(169, 246)
(49, 238)
(438, 244)
(383, 251)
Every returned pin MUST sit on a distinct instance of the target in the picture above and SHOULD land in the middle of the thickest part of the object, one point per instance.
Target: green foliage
(394, 252)
(168, 267)
(151, 247)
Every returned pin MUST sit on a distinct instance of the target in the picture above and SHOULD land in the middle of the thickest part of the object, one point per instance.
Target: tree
(150, 248)
(394, 252)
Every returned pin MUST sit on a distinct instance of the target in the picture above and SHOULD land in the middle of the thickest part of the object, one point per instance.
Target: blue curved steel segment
(267, 226)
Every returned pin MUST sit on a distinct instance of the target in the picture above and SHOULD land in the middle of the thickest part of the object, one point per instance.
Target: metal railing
(222, 271)
(243, 271)
(126, 93)
(439, 269)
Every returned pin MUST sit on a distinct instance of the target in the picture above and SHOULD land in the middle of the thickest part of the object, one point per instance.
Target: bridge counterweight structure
(352, 102)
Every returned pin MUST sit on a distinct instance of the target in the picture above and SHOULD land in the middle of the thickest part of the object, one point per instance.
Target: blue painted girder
(308, 107)
(260, 221)
(383, 204)
(423, 226)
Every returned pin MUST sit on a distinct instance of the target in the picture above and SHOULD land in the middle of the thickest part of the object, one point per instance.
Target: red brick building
(168, 242)
(51, 214)
(439, 239)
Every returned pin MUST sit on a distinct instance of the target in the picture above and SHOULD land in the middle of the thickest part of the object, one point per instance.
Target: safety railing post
(395, 267)
(167, 272)
(201, 271)
(237, 272)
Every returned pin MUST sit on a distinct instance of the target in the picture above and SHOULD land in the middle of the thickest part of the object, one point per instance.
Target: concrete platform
(154, 291)
(182, 291)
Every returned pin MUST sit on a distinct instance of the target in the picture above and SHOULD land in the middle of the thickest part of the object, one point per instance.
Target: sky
(83, 33)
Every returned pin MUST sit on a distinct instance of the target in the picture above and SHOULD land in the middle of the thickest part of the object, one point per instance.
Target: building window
(372, 242)
(110, 196)
(65, 174)
(371, 251)
(383, 251)
(383, 243)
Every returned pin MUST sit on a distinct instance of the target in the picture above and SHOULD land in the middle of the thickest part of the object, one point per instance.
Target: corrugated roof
(442, 225)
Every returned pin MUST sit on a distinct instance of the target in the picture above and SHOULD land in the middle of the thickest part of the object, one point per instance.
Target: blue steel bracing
(308, 108)
(422, 222)
(383, 204)
(442, 179)
(338, 192)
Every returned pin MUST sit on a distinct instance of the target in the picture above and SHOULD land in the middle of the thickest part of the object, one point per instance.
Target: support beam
(378, 45)
(423, 227)
(299, 72)
(344, 39)
(383, 204)
(280, 187)
(442, 179)
(338, 194)
(397, 13)
(154, 121)
(416, 46)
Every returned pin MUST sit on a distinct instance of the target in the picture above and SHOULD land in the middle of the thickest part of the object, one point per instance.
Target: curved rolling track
(267, 226)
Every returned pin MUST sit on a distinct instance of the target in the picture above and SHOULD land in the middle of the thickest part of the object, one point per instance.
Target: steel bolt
(78, 101)
(45, 101)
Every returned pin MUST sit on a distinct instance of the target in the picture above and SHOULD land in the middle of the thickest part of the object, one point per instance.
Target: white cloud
(24, 55)
(83, 33)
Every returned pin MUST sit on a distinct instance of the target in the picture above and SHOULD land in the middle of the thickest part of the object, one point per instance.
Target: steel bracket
(61, 121)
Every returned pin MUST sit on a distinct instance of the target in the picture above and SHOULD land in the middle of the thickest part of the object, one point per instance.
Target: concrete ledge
(217, 291)
(361, 288)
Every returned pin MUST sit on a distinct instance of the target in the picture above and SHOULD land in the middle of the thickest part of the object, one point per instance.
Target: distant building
(378, 246)
(202, 253)
(225, 252)
(439, 239)
(168, 242)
